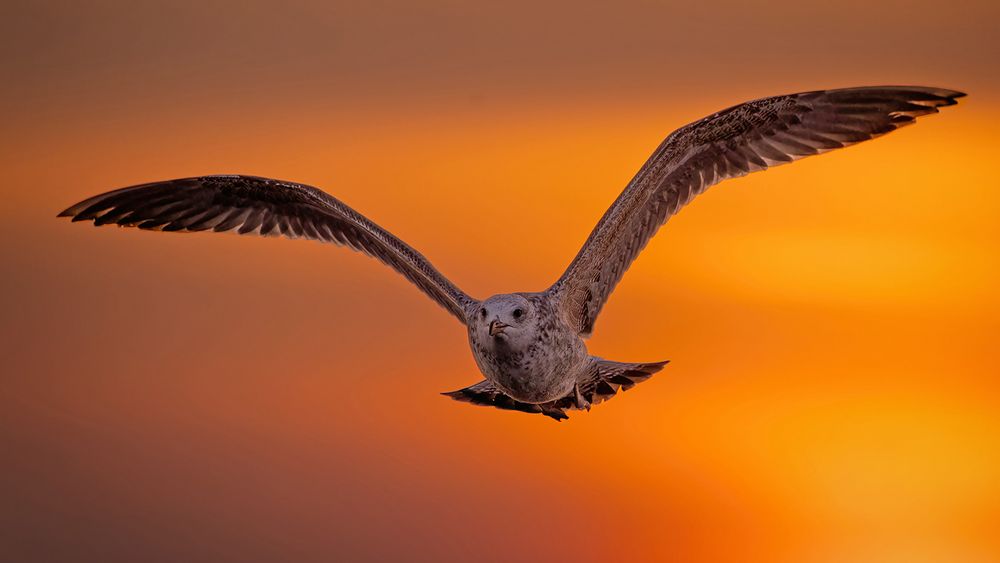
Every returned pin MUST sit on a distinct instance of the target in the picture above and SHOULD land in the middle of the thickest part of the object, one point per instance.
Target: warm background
(833, 324)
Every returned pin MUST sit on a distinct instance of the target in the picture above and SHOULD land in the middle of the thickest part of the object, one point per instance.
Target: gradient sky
(833, 324)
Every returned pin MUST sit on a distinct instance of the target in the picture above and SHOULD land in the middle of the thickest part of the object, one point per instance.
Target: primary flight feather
(530, 345)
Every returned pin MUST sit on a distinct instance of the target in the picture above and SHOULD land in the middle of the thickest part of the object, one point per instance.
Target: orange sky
(833, 394)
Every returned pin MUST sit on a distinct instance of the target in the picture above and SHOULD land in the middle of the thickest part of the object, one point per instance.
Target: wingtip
(945, 92)
(950, 97)
(458, 395)
(78, 210)
(654, 367)
(946, 96)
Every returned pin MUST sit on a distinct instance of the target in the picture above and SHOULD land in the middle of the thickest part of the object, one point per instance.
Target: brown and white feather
(267, 207)
(731, 143)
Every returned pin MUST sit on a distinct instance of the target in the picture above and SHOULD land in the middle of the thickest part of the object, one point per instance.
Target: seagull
(530, 345)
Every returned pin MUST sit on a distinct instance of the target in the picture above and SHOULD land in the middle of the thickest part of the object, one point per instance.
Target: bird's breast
(536, 372)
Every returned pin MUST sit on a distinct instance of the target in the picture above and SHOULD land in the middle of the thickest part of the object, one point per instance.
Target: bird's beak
(496, 327)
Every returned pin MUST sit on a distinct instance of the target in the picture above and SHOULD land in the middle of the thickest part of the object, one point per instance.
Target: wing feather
(253, 205)
(734, 142)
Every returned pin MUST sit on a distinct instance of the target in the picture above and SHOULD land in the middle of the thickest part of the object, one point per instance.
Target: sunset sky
(833, 325)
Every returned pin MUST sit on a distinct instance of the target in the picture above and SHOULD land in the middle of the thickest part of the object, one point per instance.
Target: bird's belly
(535, 371)
(533, 386)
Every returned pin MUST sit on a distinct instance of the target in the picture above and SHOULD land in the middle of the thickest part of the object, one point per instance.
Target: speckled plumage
(530, 345)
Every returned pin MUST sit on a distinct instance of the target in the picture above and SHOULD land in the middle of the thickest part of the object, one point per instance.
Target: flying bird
(530, 345)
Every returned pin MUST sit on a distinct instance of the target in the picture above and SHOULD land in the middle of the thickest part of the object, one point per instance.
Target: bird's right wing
(733, 142)
(262, 206)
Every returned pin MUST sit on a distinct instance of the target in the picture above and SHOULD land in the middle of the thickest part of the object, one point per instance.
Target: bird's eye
(518, 313)
(483, 312)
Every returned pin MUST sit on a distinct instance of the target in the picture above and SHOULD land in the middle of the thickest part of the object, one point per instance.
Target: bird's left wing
(262, 206)
(733, 142)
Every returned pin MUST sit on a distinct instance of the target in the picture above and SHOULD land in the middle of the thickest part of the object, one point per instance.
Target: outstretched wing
(733, 142)
(262, 206)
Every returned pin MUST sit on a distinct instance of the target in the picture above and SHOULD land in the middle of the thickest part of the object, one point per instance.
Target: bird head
(505, 318)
